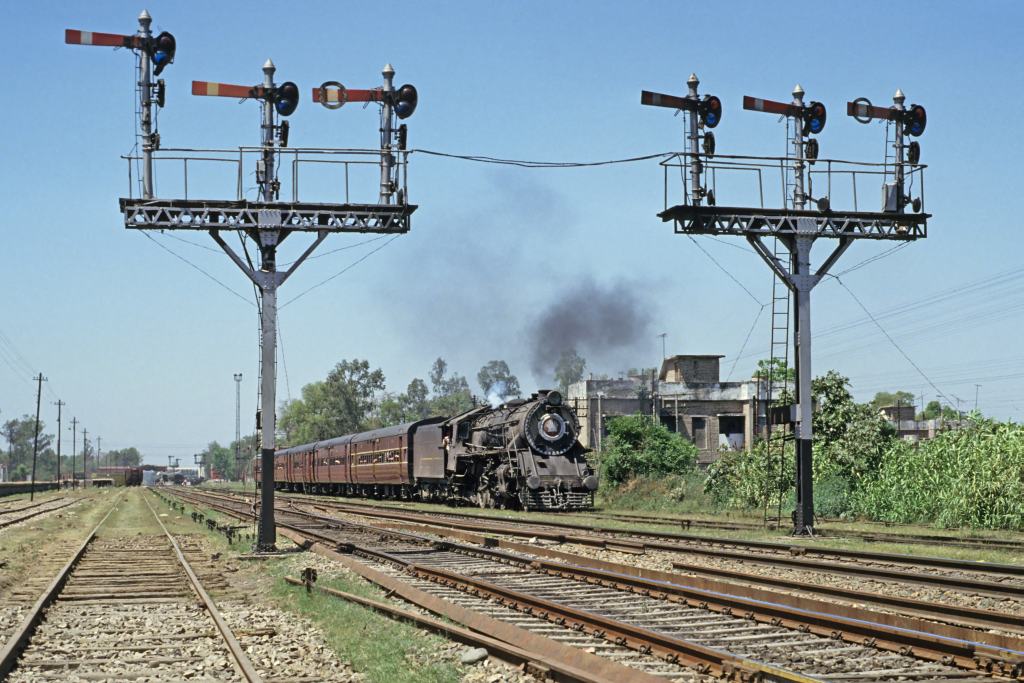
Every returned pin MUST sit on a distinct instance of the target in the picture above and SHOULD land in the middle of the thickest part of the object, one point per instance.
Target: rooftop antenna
(797, 225)
(267, 220)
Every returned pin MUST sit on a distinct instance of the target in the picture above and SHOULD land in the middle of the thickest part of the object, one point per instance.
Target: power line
(185, 260)
(340, 272)
(542, 164)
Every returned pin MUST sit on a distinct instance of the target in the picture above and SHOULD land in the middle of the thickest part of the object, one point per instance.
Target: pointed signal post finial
(693, 80)
(388, 70)
(144, 17)
(268, 66)
(798, 91)
(899, 97)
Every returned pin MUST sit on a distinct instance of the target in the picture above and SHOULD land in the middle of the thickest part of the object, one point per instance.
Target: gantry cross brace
(200, 214)
(798, 230)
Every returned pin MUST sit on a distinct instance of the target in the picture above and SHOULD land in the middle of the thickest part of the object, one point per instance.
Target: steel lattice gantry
(798, 230)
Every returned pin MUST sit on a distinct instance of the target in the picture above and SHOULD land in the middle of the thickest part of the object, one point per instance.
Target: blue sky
(142, 347)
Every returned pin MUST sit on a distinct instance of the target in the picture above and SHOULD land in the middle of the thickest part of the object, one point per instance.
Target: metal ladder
(777, 385)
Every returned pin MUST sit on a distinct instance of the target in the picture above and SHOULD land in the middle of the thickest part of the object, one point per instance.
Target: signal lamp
(403, 137)
(286, 98)
(711, 197)
(914, 152)
(161, 93)
(814, 116)
(811, 149)
(284, 133)
(915, 120)
(916, 204)
(161, 51)
(824, 204)
(709, 143)
(405, 99)
(710, 110)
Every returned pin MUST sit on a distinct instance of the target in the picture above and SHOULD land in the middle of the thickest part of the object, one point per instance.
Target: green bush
(673, 493)
(639, 447)
(752, 479)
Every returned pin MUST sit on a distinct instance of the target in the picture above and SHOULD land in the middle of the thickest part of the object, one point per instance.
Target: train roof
(379, 433)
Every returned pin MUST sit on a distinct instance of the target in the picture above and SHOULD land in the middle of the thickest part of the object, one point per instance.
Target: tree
(123, 457)
(497, 377)
(20, 434)
(640, 447)
(341, 404)
(411, 406)
(451, 394)
(221, 459)
(850, 438)
(884, 399)
(569, 369)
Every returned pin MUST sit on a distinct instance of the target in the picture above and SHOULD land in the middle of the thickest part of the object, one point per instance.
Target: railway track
(125, 608)
(709, 633)
(23, 513)
(944, 540)
(990, 579)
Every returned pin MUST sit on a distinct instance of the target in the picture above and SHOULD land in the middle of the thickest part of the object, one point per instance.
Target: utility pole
(238, 425)
(97, 461)
(663, 335)
(60, 404)
(85, 457)
(74, 449)
(976, 388)
(35, 443)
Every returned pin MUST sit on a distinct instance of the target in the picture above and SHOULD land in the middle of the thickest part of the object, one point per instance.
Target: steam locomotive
(523, 454)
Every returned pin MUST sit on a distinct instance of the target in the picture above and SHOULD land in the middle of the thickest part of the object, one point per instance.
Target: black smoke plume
(604, 323)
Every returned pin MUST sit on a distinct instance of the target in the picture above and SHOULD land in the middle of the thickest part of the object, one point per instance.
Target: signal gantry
(274, 214)
(801, 220)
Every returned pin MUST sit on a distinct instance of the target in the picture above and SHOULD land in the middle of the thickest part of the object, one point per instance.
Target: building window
(731, 432)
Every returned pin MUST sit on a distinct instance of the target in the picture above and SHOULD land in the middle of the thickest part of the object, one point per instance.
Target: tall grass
(971, 477)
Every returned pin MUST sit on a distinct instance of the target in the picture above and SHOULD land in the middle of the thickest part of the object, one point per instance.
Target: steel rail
(897, 638)
(242, 661)
(539, 665)
(23, 633)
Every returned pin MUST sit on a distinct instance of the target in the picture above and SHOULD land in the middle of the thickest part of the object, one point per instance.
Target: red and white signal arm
(771, 106)
(862, 110)
(211, 89)
(334, 95)
(76, 37)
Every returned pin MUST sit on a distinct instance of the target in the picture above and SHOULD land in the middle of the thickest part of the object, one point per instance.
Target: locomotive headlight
(533, 481)
(552, 426)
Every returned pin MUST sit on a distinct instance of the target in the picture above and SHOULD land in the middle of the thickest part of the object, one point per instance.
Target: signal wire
(891, 340)
(192, 265)
(340, 272)
(726, 271)
(739, 353)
